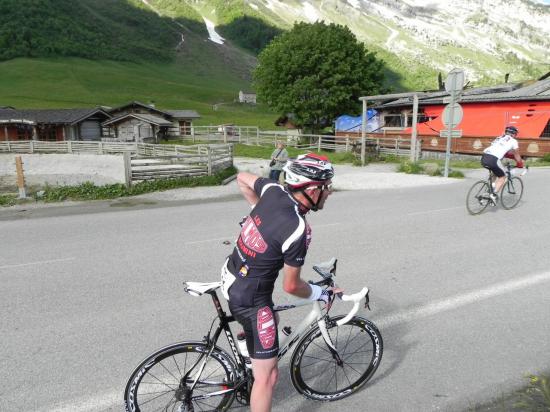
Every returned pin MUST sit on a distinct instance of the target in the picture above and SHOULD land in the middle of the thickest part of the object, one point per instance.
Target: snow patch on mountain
(212, 34)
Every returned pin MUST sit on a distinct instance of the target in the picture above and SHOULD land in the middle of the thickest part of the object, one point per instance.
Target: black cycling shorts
(260, 326)
(492, 163)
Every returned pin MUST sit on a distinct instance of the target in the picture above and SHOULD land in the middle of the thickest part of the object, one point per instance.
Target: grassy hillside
(130, 53)
(96, 29)
(74, 82)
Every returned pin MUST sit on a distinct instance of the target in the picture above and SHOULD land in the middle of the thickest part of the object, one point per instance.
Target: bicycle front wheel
(317, 375)
(158, 385)
(478, 197)
(511, 193)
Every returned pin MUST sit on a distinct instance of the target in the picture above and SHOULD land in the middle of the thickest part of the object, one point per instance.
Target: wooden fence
(143, 161)
(206, 161)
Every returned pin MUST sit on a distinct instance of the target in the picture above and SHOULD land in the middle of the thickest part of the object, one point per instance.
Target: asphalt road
(462, 302)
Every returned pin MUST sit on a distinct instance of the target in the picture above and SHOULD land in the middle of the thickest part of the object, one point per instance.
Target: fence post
(319, 146)
(257, 137)
(347, 144)
(397, 146)
(31, 146)
(209, 166)
(100, 147)
(20, 177)
(225, 134)
(9, 147)
(127, 168)
(69, 146)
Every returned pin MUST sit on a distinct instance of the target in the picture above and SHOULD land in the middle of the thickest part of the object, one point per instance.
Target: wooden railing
(143, 161)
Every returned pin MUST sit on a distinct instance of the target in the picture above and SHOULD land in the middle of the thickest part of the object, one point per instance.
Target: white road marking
(425, 212)
(113, 400)
(42, 262)
(457, 301)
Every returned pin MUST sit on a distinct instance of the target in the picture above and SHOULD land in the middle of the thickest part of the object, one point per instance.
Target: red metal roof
(490, 119)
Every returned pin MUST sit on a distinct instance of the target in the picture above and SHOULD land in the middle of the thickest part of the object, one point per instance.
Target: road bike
(479, 195)
(334, 356)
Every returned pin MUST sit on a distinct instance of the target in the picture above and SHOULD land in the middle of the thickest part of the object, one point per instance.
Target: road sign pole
(449, 131)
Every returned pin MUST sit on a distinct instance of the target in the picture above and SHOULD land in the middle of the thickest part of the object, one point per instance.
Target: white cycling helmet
(307, 170)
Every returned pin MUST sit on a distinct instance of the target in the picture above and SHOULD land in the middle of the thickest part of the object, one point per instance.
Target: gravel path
(373, 176)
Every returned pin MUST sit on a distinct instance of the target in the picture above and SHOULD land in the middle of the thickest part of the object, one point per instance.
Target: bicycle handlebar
(356, 298)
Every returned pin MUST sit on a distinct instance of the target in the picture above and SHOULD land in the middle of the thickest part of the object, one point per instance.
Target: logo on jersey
(267, 330)
(308, 235)
(251, 236)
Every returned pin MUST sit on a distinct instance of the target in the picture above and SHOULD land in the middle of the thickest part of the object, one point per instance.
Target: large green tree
(317, 72)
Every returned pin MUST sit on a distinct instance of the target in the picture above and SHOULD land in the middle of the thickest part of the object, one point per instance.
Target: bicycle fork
(328, 340)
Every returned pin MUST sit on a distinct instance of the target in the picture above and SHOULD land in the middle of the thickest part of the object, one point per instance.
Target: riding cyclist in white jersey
(503, 146)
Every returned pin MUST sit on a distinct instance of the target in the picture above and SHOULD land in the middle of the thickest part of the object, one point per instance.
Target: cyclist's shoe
(494, 198)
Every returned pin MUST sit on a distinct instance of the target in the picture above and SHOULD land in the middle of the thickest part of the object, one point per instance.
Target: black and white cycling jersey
(275, 233)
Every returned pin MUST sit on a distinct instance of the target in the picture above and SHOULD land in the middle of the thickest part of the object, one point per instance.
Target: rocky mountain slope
(418, 38)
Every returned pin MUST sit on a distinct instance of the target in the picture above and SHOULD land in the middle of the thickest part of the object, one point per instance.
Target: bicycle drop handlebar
(356, 298)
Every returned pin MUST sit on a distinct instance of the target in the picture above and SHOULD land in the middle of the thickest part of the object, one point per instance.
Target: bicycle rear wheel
(478, 197)
(317, 375)
(157, 384)
(511, 193)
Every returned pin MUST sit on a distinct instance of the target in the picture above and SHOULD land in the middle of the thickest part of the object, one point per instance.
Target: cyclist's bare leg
(266, 374)
(499, 183)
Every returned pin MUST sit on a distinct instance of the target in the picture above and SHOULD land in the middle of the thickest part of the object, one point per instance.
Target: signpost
(452, 114)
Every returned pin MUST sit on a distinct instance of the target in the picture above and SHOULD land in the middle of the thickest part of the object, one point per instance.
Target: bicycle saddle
(200, 288)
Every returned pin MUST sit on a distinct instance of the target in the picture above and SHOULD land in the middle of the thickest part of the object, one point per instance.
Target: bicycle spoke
(156, 390)
(162, 382)
(169, 372)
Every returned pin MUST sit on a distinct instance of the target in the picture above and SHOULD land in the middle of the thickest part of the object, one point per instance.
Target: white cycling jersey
(502, 145)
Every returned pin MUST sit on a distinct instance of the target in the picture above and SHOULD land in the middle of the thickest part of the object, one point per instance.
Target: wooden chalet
(140, 122)
(51, 124)
(134, 121)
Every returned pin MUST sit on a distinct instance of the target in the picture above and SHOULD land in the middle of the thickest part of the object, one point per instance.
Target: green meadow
(74, 82)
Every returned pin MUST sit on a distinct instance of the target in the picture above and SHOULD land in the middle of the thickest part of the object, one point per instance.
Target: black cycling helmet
(512, 130)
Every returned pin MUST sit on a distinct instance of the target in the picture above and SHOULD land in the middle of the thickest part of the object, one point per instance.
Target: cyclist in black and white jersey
(503, 146)
(274, 236)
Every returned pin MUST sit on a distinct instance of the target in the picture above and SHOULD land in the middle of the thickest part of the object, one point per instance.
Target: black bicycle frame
(223, 325)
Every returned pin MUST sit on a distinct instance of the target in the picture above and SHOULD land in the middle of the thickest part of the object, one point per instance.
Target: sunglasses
(328, 187)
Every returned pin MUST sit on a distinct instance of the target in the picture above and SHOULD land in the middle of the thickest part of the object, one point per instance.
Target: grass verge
(8, 199)
(533, 397)
(427, 168)
(264, 152)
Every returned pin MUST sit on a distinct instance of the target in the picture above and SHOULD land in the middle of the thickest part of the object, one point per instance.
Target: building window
(393, 120)
(24, 132)
(546, 132)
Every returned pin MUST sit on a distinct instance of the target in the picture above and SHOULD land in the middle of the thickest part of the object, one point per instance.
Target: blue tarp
(347, 123)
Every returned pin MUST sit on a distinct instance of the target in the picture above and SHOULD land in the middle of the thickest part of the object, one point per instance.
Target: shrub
(8, 200)
(88, 191)
(410, 167)
(536, 397)
(456, 173)
(546, 158)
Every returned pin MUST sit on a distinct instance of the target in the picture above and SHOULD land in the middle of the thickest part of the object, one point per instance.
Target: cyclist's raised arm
(246, 185)
(517, 157)
(293, 284)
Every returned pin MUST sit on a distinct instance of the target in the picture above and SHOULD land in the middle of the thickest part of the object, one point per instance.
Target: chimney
(440, 82)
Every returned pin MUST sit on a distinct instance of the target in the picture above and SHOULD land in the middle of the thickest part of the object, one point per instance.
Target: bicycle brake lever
(367, 300)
